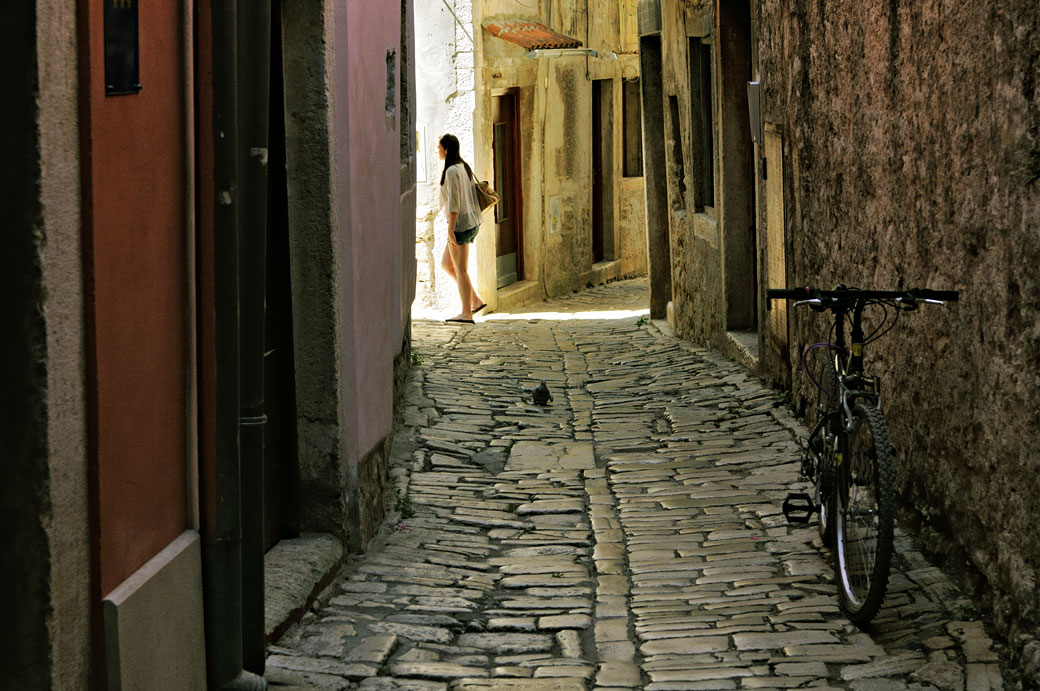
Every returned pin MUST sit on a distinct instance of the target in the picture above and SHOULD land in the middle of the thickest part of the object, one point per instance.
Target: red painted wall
(137, 172)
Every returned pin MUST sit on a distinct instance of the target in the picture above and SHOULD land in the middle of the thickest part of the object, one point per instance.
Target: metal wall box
(122, 49)
(754, 90)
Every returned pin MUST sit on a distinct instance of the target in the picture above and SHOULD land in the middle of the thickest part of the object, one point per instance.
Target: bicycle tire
(864, 516)
(825, 475)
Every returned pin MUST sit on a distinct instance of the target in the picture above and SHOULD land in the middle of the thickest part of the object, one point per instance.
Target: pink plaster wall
(368, 189)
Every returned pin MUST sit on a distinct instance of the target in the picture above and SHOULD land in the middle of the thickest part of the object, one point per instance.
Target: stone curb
(295, 572)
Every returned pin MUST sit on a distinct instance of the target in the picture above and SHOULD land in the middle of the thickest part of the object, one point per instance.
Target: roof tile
(533, 36)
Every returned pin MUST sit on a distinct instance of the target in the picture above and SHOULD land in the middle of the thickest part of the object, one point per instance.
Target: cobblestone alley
(629, 535)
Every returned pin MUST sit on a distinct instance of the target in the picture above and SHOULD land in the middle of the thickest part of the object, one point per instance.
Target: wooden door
(508, 217)
(603, 170)
(597, 171)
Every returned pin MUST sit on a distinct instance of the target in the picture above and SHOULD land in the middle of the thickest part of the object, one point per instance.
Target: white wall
(445, 102)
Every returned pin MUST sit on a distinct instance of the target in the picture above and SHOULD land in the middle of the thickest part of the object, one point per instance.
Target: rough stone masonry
(626, 536)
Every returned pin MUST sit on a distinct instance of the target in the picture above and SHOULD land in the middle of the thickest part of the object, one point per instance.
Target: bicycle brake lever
(813, 301)
(932, 302)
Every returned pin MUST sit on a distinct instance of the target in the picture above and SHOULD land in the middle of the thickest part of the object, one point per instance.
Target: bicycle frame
(851, 380)
(853, 383)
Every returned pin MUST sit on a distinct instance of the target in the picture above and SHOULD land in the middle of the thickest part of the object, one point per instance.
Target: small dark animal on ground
(541, 394)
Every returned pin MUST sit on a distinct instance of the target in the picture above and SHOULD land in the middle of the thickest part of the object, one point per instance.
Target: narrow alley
(628, 535)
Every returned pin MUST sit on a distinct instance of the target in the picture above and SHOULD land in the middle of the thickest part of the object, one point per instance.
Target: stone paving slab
(628, 535)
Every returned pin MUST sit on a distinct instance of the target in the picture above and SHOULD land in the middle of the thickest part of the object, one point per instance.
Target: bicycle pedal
(799, 508)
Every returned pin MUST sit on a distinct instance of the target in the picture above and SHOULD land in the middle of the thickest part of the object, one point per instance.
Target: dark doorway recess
(281, 469)
(509, 252)
(602, 170)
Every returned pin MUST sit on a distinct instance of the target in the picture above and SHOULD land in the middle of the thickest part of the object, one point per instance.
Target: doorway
(602, 170)
(508, 212)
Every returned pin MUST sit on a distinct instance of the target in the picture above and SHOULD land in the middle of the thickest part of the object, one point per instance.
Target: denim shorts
(464, 237)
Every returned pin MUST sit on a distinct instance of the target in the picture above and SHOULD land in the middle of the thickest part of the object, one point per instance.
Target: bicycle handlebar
(808, 293)
(790, 293)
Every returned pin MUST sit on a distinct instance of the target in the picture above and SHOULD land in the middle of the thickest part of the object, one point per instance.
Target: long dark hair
(451, 146)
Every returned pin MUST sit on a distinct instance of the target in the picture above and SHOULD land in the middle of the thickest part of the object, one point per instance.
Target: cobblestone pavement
(627, 536)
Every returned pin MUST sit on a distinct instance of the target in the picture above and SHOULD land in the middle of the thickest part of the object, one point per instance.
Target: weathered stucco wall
(912, 154)
(310, 193)
(60, 191)
(705, 142)
(349, 101)
(697, 280)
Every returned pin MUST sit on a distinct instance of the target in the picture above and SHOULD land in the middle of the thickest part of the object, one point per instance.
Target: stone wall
(911, 158)
(709, 182)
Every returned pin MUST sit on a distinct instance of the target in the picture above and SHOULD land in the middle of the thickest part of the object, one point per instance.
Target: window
(503, 150)
(678, 166)
(632, 115)
(703, 125)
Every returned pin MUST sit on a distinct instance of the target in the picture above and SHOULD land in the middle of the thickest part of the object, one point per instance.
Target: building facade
(209, 270)
(544, 98)
(895, 146)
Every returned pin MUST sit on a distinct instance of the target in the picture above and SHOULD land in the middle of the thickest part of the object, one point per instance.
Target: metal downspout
(222, 529)
(191, 380)
(253, 91)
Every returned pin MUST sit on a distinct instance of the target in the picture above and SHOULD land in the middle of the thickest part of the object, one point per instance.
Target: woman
(460, 205)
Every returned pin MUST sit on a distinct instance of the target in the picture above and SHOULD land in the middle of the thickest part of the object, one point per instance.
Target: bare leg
(460, 259)
(449, 268)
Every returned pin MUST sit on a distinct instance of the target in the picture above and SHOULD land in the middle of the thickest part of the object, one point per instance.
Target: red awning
(533, 36)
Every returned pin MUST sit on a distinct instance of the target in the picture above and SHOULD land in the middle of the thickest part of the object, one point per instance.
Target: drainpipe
(222, 518)
(253, 91)
(191, 380)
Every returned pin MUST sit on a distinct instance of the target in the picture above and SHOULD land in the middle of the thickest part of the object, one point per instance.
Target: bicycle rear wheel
(863, 515)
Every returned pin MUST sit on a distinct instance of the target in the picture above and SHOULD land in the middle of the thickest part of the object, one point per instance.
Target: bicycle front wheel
(863, 515)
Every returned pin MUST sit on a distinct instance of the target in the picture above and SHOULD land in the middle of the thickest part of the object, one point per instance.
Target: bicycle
(848, 455)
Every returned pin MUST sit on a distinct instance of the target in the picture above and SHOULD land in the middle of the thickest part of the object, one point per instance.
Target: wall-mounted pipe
(221, 501)
(254, 85)
(191, 376)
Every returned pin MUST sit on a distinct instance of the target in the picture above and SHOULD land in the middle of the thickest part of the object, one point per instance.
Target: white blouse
(459, 195)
